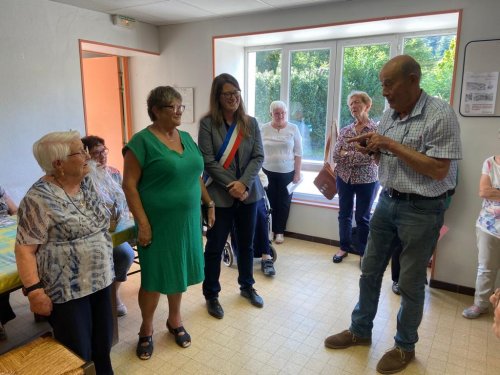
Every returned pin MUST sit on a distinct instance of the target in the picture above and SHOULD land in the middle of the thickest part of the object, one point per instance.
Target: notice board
(480, 96)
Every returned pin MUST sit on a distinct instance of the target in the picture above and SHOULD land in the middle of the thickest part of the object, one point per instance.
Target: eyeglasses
(279, 114)
(102, 152)
(82, 152)
(227, 95)
(176, 108)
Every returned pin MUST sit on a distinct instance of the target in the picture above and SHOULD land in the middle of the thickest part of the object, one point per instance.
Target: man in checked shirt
(417, 145)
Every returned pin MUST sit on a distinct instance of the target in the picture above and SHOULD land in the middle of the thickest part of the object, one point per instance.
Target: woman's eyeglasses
(97, 153)
(82, 152)
(229, 94)
(176, 108)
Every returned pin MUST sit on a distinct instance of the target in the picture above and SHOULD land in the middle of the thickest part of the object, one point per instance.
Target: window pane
(264, 81)
(309, 72)
(361, 67)
(436, 56)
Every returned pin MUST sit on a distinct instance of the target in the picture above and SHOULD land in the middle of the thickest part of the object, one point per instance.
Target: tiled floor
(308, 299)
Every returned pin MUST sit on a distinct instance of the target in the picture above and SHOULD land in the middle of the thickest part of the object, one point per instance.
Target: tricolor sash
(228, 149)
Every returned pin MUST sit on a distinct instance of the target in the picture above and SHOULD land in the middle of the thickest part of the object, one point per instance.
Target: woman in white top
(282, 161)
(488, 237)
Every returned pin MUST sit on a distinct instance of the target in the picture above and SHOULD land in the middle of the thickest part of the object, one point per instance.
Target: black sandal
(339, 258)
(144, 352)
(181, 336)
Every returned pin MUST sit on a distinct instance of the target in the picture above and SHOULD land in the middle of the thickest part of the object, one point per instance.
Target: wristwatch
(38, 285)
(210, 204)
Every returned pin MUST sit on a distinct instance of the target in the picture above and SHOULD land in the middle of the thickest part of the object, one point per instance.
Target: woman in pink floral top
(356, 176)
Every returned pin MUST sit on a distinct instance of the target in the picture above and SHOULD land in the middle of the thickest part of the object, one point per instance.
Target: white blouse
(281, 147)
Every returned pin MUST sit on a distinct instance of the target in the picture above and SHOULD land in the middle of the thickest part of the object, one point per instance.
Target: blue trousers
(416, 224)
(123, 257)
(365, 194)
(261, 243)
(85, 325)
(243, 217)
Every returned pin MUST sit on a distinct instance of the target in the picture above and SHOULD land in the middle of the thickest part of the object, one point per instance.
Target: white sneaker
(121, 310)
(474, 312)
(279, 238)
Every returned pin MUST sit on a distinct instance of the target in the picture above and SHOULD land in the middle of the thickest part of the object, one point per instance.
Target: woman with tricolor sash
(231, 145)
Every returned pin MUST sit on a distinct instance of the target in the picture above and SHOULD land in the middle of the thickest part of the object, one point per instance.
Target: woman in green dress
(163, 188)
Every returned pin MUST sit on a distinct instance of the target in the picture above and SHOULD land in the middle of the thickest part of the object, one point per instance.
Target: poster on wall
(188, 100)
(479, 93)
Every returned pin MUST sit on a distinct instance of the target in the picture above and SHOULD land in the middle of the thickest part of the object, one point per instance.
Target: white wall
(40, 81)
(41, 91)
(187, 50)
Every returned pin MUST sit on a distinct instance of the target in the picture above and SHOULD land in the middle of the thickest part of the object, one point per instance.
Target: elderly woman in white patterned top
(7, 207)
(64, 250)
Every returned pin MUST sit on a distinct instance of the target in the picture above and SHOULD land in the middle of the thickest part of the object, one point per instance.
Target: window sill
(309, 195)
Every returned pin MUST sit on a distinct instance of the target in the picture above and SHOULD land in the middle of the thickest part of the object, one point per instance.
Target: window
(361, 65)
(308, 98)
(314, 79)
(264, 83)
(436, 56)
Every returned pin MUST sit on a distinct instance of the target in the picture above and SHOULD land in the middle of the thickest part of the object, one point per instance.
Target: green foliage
(309, 74)
(362, 65)
(267, 82)
(309, 86)
(436, 56)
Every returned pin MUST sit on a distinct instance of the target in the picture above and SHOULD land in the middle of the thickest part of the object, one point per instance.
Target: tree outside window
(436, 56)
(361, 66)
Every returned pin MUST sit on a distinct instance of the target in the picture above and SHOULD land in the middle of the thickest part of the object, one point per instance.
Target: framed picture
(188, 100)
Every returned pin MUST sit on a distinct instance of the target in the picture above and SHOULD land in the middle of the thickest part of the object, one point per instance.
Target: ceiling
(166, 12)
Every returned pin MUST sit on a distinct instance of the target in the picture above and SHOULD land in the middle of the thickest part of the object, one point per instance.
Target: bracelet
(28, 290)
(210, 204)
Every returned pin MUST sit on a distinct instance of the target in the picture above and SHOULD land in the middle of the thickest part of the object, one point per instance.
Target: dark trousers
(261, 243)
(85, 326)
(365, 194)
(279, 199)
(243, 217)
(395, 266)
(6, 312)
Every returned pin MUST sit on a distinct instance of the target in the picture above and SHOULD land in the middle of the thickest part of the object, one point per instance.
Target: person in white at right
(488, 237)
(282, 161)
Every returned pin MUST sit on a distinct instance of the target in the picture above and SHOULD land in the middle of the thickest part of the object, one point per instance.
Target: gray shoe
(395, 288)
(267, 266)
(121, 310)
(395, 360)
(473, 312)
(346, 339)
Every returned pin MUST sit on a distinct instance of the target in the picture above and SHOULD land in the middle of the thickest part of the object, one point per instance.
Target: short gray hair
(161, 96)
(53, 146)
(365, 98)
(277, 104)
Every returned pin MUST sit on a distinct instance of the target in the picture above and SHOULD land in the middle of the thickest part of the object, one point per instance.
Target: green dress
(171, 196)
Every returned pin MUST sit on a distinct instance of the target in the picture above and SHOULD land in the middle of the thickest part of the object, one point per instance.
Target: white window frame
(334, 95)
